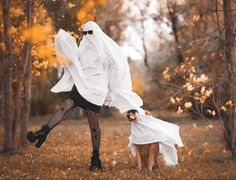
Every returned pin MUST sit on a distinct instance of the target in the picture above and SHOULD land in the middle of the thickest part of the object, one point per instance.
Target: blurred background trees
(181, 55)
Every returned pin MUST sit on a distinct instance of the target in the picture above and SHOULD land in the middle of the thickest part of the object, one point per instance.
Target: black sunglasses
(88, 32)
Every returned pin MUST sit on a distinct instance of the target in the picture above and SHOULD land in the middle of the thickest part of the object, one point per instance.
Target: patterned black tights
(67, 105)
(93, 119)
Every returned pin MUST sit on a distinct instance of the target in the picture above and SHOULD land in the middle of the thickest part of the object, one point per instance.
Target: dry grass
(66, 154)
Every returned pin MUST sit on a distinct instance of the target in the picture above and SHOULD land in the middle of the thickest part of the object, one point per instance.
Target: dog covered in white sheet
(155, 135)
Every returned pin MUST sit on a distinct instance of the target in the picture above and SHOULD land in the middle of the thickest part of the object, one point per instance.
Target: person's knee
(66, 105)
(92, 113)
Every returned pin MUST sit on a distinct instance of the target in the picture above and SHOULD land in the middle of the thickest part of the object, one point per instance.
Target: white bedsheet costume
(99, 56)
(147, 129)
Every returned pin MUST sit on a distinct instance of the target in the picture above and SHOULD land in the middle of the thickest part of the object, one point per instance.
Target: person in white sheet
(96, 73)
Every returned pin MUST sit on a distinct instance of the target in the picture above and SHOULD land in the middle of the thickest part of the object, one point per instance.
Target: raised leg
(58, 116)
(41, 135)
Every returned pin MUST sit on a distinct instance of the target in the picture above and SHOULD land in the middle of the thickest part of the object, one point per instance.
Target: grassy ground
(66, 153)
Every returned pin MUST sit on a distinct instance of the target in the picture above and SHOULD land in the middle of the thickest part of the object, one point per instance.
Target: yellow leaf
(37, 73)
(81, 15)
(224, 150)
(2, 46)
(179, 110)
(102, 2)
(194, 125)
(12, 30)
(90, 5)
(177, 99)
(38, 33)
(190, 87)
(203, 89)
(213, 113)
(193, 69)
(209, 111)
(70, 5)
(188, 104)
(113, 163)
(202, 99)
(193, 58)
(138, 84)
(203, 78)
(208, 92)
(211, 126)
(165, 74)
(223, 108)
(229, 103)
(196, 17)
(17, 12)
(172, 100)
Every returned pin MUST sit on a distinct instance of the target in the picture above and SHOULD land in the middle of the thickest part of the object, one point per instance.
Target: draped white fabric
(120, 94)
(147, 129)
(98, 69)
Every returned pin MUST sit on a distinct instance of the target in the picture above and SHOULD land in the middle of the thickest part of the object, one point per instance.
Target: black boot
(40, 135)
(95, 161)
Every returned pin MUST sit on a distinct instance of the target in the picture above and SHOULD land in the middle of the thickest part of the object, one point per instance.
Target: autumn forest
(182, 60)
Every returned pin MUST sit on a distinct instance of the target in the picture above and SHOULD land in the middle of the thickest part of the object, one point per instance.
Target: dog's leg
(151, 157)
(138, 154)
(157, 153)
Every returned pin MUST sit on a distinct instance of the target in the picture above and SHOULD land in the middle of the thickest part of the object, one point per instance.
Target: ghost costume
(147, 129)
(97, 73)
(98, 69)
(107, 61)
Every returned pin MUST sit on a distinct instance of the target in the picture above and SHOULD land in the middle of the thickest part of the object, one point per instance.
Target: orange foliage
(137, 84)
(2, 46)
(17, 11)
(88, 10)
(38, 33)
(41, 34)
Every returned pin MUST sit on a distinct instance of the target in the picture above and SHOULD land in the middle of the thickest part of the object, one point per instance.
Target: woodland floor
(66, 153)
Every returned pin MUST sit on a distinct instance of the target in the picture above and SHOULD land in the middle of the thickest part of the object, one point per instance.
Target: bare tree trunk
(17, 113)
(227, 69)
(230, 75)
(174, 22)
(21, 68)
(7, 60)
(1, 88)
(234, 98)
(2, 100)
(27, 79)
(143, 39)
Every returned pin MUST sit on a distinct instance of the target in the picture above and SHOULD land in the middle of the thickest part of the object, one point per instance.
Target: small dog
(147, 154)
